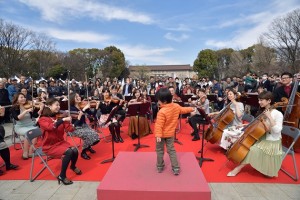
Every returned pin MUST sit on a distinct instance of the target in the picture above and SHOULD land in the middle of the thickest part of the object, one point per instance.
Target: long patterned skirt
(88, 136)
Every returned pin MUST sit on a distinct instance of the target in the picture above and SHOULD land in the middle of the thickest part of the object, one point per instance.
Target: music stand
(177, 130)
(110, 119)
(138, 110)
(201, 158)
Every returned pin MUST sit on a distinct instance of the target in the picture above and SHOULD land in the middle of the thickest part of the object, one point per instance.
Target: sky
(149, 32)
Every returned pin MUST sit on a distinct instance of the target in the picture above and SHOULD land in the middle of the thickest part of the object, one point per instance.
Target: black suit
(267, 85)
(279, 93)
(129, 88)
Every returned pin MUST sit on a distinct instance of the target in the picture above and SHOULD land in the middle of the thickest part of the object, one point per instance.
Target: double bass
(292, 115)
(214, 132)
(252, 133)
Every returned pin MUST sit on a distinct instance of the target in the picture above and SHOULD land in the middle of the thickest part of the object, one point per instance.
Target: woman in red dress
(53, 142)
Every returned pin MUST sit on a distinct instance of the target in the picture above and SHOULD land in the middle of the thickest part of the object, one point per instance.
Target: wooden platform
(133, 175)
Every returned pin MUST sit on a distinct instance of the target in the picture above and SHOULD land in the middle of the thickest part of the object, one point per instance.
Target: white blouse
(275, 131)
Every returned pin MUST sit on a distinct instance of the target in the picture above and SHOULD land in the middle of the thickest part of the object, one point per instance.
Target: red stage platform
(133, 175)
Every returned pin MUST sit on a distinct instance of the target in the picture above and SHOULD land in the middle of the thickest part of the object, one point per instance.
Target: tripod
(138, 110)
(201, 158)
(110, 119)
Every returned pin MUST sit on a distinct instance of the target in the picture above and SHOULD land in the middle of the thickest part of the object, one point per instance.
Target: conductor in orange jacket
(166, 122)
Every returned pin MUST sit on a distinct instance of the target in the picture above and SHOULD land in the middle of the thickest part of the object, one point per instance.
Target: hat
(13, 79)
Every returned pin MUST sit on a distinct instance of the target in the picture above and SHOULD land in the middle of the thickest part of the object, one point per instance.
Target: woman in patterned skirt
(89, 136)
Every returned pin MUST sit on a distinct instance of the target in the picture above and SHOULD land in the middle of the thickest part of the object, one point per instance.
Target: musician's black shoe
(116, 140)
(90, 149)
(133, 136)
(121, 140)
(196, 138)
(85, 156)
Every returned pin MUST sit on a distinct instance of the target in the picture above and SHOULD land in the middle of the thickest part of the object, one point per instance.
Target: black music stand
(110, 119)
(201, 158)
(138, 110)
(179, 118)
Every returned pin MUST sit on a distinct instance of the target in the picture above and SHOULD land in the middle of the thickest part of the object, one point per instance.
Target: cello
(214, 132)
(252, 133)
(292, 114)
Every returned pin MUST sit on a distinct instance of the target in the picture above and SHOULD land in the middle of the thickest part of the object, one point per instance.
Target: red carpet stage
(132, 176)
(94, 171)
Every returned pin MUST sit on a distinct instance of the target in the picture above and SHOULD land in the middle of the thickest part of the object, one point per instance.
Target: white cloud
(59, 10)
(77, 36)
(140, 54)
(179, 38)
(258, 22)
(180, 27)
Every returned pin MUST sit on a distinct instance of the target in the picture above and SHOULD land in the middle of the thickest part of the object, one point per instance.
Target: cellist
(238, 110)
(268, 148)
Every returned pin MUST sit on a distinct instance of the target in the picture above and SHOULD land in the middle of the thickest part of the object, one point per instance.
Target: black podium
(140, 109)
(110, 119)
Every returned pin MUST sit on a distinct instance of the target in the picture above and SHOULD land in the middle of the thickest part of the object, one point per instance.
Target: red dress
(53, 143)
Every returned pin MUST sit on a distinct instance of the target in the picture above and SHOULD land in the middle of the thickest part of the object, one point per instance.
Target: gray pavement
(24, 189)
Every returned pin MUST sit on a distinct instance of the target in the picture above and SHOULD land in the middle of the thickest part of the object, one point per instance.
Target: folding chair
(248, 118)
(99, 127)
(295, 134)
(15, 136)
(30, 135)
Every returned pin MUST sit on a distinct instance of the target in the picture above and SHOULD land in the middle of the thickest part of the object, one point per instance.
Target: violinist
(174, 95)
(234, 126)
(144, 127)
(203, 103)
(42, 97)
(24, 120)
(82, 130)
(105, 108)
(53, 143)
(117, 99)
(266, 154)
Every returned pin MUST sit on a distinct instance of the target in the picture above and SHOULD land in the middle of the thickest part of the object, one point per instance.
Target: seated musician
(174, 95)
(154, 105)
(106, 107)
(5, 153)
(144, 127)
(89, 136)
(203, 103)
(53, 142)
(268, 148)
(233, 128)
(117, 99)
(23, 113)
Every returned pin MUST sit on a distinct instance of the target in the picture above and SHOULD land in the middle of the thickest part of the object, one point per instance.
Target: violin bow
(68, 86)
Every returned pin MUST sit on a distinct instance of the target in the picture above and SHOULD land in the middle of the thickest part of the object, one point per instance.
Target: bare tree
(264, 58)
(238, 64)
(284, 36)
(15, 42)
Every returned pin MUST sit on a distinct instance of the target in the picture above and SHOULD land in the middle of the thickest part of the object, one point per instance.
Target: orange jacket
(167, 119)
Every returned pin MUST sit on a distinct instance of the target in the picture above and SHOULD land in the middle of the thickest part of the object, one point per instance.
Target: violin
(93, 103)
(29, 105)
(65, 113)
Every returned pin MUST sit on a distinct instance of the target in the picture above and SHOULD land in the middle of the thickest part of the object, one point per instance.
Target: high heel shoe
(65, 181)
